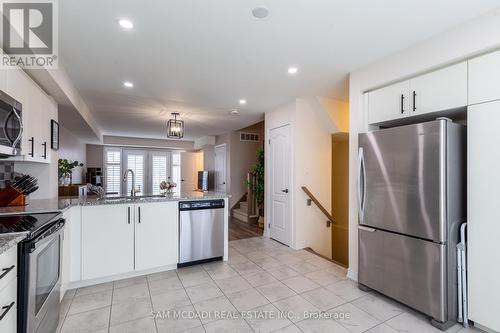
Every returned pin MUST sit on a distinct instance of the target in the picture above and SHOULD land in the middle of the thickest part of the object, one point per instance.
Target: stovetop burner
(25, 223)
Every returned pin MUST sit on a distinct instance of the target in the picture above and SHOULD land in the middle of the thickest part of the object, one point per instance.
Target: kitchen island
(113, 237)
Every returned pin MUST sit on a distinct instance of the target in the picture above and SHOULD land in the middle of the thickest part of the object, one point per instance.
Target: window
(135, 162)
(150, 167)
(159, 173)
(113, 170)
(176, 171)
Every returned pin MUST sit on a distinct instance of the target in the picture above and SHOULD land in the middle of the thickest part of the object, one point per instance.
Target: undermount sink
(137, 197)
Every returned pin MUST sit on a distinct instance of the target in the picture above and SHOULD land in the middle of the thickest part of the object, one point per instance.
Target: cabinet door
(46, 112)
(444, 89)
(389, 103)
(484, 78)
(107, 240)
(482, 209)
(20, 87)
(156, 236)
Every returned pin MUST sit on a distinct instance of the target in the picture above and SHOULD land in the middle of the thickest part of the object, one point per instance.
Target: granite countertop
(59, 205)
(9, 240)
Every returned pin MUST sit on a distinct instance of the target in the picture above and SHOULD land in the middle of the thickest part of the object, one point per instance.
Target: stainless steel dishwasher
(201, 231)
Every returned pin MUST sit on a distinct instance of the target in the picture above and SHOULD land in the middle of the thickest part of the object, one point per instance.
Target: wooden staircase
(246, 209)
(241, 213)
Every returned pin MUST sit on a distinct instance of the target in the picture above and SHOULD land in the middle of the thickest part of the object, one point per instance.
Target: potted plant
(65, 170)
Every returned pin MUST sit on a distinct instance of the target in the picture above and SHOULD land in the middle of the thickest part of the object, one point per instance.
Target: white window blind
(135, 162)
(113, 171)
(158, 171)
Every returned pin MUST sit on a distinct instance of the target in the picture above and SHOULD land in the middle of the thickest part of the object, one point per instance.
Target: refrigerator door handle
(361, 183)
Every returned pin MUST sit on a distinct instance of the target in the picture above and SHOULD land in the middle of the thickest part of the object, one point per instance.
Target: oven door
(44, 281)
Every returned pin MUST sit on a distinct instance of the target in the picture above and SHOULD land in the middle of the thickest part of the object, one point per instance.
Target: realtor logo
(29, 34)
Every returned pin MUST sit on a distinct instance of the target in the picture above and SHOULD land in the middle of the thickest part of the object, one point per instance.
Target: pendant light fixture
(175, 128)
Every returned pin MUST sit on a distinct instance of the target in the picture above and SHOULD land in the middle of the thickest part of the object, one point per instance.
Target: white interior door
(220, 169)
(279, 177)
(189, 171)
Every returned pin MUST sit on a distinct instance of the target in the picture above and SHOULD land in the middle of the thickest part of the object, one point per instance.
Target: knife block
(9, 196)
(21, 200)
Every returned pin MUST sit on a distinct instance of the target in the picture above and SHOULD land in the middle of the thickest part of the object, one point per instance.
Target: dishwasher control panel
(195, 205)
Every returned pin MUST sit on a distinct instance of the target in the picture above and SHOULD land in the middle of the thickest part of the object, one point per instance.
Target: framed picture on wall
(54, 134)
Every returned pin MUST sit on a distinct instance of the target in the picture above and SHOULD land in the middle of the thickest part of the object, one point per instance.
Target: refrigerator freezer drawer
(406, 269)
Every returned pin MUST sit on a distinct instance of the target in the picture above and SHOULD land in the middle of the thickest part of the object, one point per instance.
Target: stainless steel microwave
(11, 124)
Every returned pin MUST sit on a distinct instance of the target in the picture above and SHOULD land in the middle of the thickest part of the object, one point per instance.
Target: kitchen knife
(26, 180)
(31, 190)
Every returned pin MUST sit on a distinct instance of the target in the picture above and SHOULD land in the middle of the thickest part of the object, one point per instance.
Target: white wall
(311, 167)
(472, 38)
(73, 149)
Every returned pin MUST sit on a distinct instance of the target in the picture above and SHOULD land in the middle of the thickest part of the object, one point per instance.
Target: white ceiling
(199, 57)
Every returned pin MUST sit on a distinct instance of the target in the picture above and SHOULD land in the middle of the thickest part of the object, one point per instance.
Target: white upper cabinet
(440, 90)
(37, 111)
(156, 234)
(107, 240)
(389, 103)
(484, 78)
(444, 89)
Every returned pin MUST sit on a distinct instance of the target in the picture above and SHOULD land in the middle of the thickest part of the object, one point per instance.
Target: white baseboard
(299, 245)
(484, 328)
(86, 283)
(353, 275)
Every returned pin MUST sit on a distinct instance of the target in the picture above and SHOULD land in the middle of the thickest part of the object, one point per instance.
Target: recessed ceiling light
(243, 101)
(260, 12)
(234, 111)
(128, 84)
(292, 70)
(126, 24)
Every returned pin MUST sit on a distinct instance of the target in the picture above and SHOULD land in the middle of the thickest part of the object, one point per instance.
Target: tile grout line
(151, 301)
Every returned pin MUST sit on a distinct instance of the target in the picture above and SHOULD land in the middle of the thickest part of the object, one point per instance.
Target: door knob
(284, 191)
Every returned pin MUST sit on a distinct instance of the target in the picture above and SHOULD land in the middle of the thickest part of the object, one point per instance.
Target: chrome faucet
(133, 190)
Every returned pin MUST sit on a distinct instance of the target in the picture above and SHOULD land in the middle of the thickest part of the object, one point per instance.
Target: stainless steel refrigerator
(412, 200)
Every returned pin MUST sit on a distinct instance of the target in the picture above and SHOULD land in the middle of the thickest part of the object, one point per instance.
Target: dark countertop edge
(7, 241)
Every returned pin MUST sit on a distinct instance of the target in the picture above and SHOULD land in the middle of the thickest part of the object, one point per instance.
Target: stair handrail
(320, 206)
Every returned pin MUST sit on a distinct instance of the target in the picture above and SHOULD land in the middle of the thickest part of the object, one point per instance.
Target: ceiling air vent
(253, 137)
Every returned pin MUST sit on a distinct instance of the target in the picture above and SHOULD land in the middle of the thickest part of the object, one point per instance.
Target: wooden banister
(317, 203)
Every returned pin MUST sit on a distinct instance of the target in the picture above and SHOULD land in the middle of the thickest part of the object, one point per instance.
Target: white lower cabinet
(8, 290)
(107, 240)
(122, 238)
(156, 234)
(482, 208)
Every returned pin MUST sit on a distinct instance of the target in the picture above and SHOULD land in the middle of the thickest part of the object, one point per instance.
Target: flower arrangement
(167, 185)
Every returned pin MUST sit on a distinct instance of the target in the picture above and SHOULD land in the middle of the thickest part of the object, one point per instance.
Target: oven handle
(45, 237)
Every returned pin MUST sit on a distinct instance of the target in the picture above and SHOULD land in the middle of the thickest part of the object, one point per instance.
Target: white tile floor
(261, 275)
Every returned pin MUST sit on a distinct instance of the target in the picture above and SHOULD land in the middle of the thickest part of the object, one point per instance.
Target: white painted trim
(85, 283)
(300, 245)
(351, 274)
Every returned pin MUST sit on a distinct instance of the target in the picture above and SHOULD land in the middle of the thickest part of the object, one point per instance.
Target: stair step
(244, 205)
(240, 215)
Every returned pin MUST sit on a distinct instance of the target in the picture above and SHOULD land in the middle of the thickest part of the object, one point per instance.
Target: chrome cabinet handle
(128, 214)
(284, 191)
(414, 101)
(6, 271)
(6, 309)
(402, 103)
